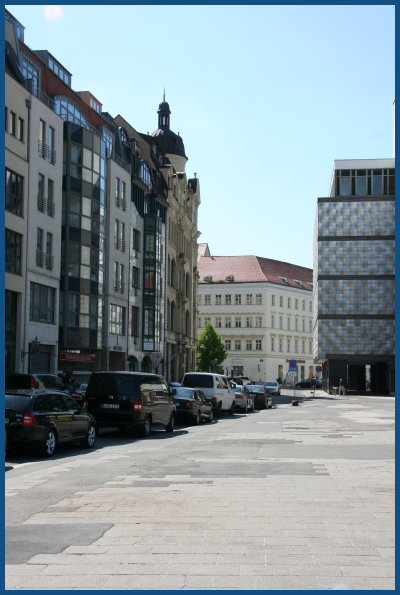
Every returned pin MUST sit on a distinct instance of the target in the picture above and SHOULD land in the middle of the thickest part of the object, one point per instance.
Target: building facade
(262, 309)
(354, 276)
(88, 237)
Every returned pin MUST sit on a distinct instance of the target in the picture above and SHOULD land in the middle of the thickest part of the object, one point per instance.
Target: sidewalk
(284, 499)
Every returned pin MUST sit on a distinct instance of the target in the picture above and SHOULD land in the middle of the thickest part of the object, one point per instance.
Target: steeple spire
(163, 114)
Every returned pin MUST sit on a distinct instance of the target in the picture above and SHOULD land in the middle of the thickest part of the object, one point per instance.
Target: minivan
(130, 400)
(216, 386)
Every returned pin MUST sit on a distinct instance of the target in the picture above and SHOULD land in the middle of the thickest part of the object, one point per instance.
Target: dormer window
(95, 106)
(298, 282)
(123, 136)
(284, 279)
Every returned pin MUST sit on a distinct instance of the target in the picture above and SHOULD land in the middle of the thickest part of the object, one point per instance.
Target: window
(238, 299)
(42, 303)
(288, 345)
(13, 252)
(70, 111)
(258, 299)
(303, 346)
(238, 322)
(272, 321)
(52, 151)
(228, 299)
(136, 240)
(258, 321)
(49, 251)
(218, 322)
(295, 324)
(296, 304)
(249, 345)
(51, 206)
(289, 302)
(258, 344)
(39, 248)
(238, 344)
(119, 272)
(228, 323)
(12, 125)
(135, 321)
(207, 300)
(309, 346)
(288, 323)
(272, 343)
(272, 300)
(20, 129)
(249, 322)
(310, 325)
(218, 300)
(304, 305)
(280, 344)
(281, 301)
(135, 277)
(296, 345)
(303, 324)
(310, 306)
(14, 193)
(41, 198)
(117, 320)
(281, 322)
(361, 182)
(249, 299)
(377, 182)
(228, 344)
(207, 320)
(42, 147)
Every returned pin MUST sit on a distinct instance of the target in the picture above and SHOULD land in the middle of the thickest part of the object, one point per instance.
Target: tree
(209, 347)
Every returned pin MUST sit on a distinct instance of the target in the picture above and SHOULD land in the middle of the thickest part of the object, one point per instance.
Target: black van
(130, 400)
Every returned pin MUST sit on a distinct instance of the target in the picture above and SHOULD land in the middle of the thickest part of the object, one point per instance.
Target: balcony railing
(40, 258)
(51, 208)
(41, 203)
(49, 262)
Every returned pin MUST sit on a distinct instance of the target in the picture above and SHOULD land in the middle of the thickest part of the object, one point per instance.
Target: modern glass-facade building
(354, 276)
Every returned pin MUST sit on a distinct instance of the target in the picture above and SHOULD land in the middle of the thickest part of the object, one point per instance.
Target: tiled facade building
(354, 276)
(262, 309)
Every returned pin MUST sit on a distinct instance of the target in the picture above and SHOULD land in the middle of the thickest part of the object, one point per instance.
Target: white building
(262, 309)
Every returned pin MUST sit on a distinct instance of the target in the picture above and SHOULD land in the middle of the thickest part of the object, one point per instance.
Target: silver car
(244, 400)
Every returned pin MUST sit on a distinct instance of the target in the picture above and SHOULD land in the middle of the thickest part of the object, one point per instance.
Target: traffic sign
(292, 365)
(318, 369)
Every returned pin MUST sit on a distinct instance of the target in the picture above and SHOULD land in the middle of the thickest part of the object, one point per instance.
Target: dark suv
(34, 381)
(130, 400)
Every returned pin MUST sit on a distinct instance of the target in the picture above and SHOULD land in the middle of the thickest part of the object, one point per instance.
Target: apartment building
(354, 276)
(262, 309)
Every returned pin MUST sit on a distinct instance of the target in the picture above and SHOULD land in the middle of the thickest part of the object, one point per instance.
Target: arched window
(173, 317)
(173, 274)
(70, 111)
(187, 324)
(187, 286)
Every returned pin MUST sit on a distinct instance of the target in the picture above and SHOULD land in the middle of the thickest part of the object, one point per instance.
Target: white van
(216, 386)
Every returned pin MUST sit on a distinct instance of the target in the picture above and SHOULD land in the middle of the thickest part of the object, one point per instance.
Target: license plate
(110, 406)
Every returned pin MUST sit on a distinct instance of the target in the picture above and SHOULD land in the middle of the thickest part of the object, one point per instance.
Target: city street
(286, 498)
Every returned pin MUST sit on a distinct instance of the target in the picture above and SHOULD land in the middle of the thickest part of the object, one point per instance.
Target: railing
(40, 258)
(51, 208)
(41, 203)
(120, 162)
(46, 152)
(49, 262)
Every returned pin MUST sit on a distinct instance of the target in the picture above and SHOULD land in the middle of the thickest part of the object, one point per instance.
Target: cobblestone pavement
(291, 498)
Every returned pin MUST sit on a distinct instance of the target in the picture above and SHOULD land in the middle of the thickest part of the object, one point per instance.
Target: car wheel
(171, 425)
(90, 439)
(211, 416)
(49, 445)
(218, 410)
(245, 408)
(145, 428)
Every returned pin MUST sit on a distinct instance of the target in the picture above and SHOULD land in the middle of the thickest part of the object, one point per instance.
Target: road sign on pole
(292, 365)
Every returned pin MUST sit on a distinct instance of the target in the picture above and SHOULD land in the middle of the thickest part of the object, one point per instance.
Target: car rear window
(256, 387)
(112, 384)
(53, 382)
(18, 381)
(17, 402)
(184, 393)
(200, 380)
(271, 384)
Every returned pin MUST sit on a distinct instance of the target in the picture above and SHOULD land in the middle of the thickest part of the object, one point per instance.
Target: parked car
(192, 405)
(244, 400)
(34, 381)
(262, 398)
(242, 380)
(272, 387)
(216, 386)
(309, 383)
(130, 400)
(42, 419)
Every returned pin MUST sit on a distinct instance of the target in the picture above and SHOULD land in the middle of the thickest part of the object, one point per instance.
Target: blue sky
(264, 97)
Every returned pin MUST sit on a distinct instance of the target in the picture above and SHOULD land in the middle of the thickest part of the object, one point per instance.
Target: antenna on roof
(164, 94)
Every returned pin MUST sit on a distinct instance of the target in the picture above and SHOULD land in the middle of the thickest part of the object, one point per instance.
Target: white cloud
(53, 13)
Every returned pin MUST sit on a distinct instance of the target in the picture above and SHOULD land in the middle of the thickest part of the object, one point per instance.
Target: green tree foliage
(209, 347)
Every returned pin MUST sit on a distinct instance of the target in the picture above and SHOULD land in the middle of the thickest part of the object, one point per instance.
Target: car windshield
(16, 402)
(255, 387)
(271, 384)
(183, 393)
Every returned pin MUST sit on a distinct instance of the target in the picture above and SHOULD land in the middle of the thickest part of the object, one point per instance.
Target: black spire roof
(169, 141)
